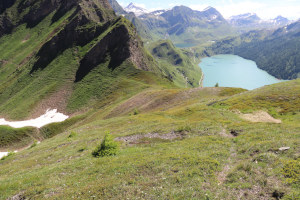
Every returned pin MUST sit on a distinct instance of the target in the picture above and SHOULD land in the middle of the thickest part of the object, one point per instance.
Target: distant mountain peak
(279, 20)
(209, 8)
(158, 12)
(137, 10)
(251, 20)
(245, 15)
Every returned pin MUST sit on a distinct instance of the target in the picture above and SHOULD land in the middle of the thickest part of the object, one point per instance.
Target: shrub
(185, 128)
(108, 147)
(136, 111)
(34, 144)
(72, 134)
(291, 171)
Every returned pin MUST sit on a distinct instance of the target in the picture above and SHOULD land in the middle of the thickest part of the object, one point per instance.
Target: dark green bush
(72, 134)
(108, 147)
(291, 171)
(185, 128)
(34, 144)
(136, 111)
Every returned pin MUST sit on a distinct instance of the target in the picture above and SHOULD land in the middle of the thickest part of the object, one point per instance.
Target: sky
(265, 9)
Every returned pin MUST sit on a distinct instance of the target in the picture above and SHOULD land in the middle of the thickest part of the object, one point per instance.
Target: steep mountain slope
(184, 25)
(117, 7)
(51, 48)
(135, 9)
(177, 66)
(142, 30)
(277, 51)
(75, 57)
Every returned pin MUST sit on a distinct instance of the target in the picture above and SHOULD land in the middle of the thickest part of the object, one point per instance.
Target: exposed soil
(223, 133)
(260, 116)
(225, 171)
(137, 139)
(19, 196)
(154, 100)
(57, 100)
(235, 133)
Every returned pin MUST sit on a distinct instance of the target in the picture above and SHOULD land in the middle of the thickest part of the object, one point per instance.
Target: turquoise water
(234, 71)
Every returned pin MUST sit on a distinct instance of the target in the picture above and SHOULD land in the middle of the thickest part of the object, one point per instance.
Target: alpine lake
(234, 71)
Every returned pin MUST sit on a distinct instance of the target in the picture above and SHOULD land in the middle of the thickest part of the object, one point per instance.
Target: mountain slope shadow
(114, 44)
(70, 36)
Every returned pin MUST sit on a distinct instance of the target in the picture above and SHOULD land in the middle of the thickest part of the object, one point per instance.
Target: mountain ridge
(135, 9)
(89, 30)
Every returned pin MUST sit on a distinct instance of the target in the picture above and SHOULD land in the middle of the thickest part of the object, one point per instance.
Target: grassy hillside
(173, 145)
(70, 60)
(12, 139)
(177, 66)
(278, 99)
(74, 57)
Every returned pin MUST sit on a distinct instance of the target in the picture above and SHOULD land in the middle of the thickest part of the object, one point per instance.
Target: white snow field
(49, 117)
(2, 154)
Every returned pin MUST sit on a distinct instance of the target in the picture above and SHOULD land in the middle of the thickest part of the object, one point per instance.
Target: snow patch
(207, 8)
(214, 17)
(137, 10)
(3, 154)
(159, 13)
(49, 117)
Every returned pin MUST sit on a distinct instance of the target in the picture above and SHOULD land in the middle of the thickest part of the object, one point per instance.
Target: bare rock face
(4, 4)
(32, 12)
(121, 43)
(89, 19)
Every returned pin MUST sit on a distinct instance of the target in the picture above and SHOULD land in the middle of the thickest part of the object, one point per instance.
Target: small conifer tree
(108, 147)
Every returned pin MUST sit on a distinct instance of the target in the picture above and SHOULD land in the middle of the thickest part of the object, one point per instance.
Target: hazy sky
(265, 9)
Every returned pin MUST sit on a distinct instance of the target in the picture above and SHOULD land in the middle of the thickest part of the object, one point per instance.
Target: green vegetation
(166, 141)
(291, 171)
(177, 66)
(204, 155)
(72, 135)
(108, 147)
(35, 143)
(10, 154)
(14, 138)
(56, 128)
(278, 99)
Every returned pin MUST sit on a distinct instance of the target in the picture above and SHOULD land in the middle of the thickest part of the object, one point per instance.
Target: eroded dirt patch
(57, 100)
(161, 100)
(19, 196)
(260, 116)
(138, 139)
